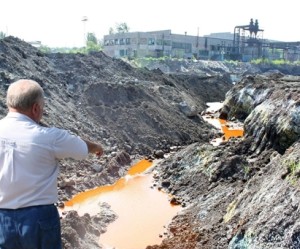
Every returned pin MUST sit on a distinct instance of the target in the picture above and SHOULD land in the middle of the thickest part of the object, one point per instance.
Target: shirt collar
(19, 116)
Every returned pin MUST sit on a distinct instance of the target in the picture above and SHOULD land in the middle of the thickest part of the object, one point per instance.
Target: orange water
(142, 211)
(230, 132)
(140, 167)
(222, 124)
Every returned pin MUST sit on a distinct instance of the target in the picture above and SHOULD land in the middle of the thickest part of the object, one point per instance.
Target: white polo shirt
(28, 160)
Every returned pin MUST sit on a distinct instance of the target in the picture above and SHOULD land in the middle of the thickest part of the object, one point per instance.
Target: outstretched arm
(94, 148)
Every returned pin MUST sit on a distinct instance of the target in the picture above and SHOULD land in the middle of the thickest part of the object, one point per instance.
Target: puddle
(142, 210)
(78, 200)
(230, 129)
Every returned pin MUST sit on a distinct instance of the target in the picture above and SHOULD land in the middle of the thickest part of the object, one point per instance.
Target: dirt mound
(269, 104)
(244, 193)
(109, 100)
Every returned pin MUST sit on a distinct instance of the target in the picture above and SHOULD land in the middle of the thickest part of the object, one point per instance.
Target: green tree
(2, 35)
(92, 43)
(111, 31)
(45, 49)
(122, 27)
(91, 37)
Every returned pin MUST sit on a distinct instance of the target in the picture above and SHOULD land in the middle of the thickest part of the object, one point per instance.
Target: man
(29, 169)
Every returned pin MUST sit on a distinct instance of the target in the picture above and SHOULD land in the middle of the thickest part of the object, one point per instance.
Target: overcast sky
(58, 23)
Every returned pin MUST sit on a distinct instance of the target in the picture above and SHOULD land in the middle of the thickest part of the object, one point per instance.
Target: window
(151, 41)
(127, 41)
(163, 42)
(123, 52)
(203, 52)
(167, 42)
(187, 47)
(176, 45)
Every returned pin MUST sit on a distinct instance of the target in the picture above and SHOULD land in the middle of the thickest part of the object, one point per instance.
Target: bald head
(23, 94)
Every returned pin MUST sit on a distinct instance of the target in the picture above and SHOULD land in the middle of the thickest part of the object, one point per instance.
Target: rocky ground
(245, 192)
(241, 194)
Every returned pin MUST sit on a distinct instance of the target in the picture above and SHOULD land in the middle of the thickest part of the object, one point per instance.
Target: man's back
(28, 166)
(28, 170)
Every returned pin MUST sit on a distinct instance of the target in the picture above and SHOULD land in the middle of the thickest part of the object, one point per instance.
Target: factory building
(244, 44)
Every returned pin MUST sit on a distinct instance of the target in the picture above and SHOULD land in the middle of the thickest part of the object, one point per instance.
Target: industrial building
(245, 43)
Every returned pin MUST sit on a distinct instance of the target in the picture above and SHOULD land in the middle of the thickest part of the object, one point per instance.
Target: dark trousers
(36, 227)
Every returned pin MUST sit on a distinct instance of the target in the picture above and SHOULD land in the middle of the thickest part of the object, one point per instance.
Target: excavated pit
(143, 212)
(243, 193)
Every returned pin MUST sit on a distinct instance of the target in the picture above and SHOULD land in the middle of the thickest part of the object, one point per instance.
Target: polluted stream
(143, 211)
(229, 129)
